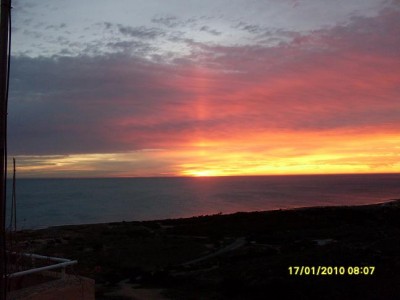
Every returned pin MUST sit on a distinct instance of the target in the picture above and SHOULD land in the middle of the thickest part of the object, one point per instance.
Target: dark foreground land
(238, 256)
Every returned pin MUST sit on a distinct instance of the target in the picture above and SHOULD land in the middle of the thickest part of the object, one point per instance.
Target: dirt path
(233, 246)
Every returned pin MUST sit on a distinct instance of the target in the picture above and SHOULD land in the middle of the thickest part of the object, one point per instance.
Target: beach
(341, 252)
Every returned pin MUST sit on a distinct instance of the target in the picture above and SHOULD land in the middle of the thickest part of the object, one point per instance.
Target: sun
(203, 173)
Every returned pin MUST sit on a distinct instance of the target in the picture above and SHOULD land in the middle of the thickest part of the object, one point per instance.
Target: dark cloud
(140, 32)
(56, 27)
(263, 35)
(22, 7)
(173, 22)
(167, 21)
(209, 30)
(254, 29)
(33, 34)
(69, 102)
(137, 47)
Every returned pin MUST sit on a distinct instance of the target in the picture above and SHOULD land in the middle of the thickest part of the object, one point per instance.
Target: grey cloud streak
(66, 102)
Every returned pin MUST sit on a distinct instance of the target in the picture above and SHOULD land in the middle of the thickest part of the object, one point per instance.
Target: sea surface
(49, 202)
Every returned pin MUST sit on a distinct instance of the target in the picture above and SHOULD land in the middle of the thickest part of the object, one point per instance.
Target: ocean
(51, 202)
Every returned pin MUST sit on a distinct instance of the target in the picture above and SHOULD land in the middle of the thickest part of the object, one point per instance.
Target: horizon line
(211, 176)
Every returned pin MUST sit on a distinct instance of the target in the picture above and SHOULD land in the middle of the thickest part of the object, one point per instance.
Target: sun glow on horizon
(202, 173)
(293, 153)
(256, 154)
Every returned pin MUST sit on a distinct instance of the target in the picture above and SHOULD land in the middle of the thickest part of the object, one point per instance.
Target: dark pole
(4, 57)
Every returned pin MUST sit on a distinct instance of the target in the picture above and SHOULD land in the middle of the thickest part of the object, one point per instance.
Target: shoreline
(383, 202)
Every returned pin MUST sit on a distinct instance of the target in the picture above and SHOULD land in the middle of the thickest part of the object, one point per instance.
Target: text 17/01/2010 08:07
(330, 270)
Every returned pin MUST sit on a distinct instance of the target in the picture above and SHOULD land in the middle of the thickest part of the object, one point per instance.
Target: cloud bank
(323, 100)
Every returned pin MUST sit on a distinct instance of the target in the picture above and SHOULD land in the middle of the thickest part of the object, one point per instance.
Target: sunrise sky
(204, 88)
